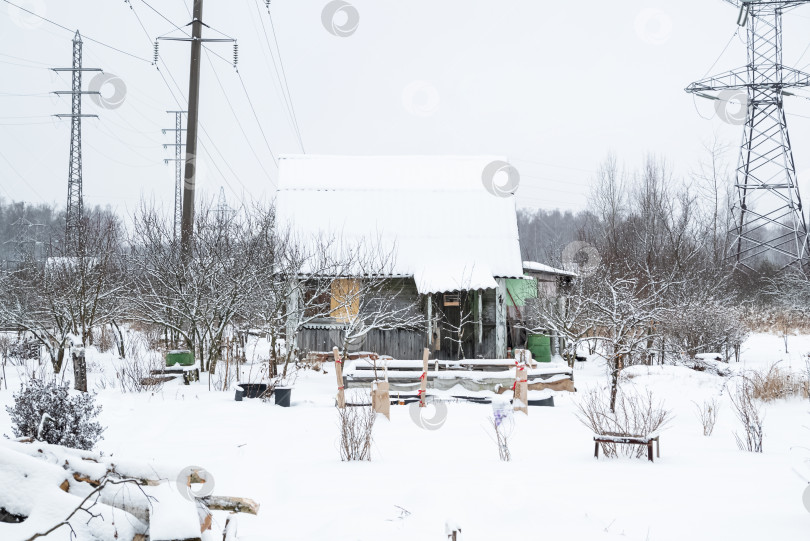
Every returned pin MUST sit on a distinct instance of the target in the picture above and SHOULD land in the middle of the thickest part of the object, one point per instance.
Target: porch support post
(290, 341)
(480, 322)
(500, 319)
(429, 320)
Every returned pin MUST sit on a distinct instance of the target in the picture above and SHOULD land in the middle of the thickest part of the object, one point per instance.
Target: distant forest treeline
(29, 229)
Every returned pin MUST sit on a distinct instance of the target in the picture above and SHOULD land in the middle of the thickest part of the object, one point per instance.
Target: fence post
(341, 397)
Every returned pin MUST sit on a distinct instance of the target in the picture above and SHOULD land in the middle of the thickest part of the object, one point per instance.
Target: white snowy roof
(447, 230)
(534, 266)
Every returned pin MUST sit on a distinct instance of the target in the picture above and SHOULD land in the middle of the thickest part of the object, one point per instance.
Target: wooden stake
(423, 385)
(341, 397)
(520, 398)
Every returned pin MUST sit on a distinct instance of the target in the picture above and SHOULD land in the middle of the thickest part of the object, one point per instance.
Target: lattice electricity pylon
(767, 214)
(75, 200)
(22, 247)
(178, 168)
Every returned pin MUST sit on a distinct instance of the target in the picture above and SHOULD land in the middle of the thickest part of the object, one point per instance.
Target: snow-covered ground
(287, 460)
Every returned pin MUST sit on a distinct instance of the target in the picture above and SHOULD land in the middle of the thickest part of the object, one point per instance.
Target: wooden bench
(629, 440)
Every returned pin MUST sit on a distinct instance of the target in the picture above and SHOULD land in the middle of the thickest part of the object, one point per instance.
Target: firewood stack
(45, 488)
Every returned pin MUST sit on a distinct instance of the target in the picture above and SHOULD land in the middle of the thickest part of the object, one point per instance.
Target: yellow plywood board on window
(345, 301)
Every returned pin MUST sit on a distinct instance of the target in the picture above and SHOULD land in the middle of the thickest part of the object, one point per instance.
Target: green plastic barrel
(540, 346)
(183, 357)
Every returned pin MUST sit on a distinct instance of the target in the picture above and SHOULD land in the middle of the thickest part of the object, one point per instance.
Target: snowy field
(287, 460)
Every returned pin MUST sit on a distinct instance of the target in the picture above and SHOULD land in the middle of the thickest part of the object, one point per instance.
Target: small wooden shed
(456, 245)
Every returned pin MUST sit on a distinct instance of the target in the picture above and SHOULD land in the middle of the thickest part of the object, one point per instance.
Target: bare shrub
(502, 429)
(749, 412)
(777, 383)
(707, 415)
(635, 415)
(136, 370)
(356, 427)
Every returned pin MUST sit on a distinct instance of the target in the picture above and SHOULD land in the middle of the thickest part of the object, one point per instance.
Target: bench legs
(649, 444)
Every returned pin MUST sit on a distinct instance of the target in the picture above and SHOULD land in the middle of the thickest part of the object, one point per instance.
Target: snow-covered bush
(47, 412)
(635, 414)
(705, 325)
(135, 372)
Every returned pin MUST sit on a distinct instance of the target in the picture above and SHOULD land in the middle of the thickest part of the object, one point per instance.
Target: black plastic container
(249, 390)
(543, 402)
(283, 395)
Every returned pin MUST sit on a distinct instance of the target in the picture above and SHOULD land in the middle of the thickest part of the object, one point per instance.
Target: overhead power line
(88, 38)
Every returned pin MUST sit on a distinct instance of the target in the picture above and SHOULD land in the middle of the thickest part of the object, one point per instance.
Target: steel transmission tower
(768, 216)
(178, 168)
(75, 201)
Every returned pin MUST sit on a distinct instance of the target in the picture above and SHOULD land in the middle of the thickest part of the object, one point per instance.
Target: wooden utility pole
(190, 176)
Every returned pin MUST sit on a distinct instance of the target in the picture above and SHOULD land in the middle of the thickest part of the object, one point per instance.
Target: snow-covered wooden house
(455, 244)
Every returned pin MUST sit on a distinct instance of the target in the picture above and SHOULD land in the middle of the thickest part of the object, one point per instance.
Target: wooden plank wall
(408, 344)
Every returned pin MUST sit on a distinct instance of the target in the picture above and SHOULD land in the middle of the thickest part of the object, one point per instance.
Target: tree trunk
(120, 340)
(79, 370)
(614, 381)
(60, 358)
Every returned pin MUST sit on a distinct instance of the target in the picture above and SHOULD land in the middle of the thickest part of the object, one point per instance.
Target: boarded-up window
(345, 299)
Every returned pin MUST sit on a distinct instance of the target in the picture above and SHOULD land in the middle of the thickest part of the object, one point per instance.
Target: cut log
(230, 503)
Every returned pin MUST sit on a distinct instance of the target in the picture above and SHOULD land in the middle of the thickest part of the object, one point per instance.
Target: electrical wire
(253, 109)
(238, 122)
(88, 38)
(736, 33)
(282, 77)
(181, 106)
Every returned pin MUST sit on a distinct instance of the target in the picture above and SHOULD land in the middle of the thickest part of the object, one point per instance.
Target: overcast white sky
(552, 86)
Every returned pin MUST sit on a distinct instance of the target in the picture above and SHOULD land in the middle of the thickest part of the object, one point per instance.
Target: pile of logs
(49, 489)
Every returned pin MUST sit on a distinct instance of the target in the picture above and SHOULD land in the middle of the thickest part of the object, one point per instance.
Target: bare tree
(621, 309)
(60, 301)
(198, 297)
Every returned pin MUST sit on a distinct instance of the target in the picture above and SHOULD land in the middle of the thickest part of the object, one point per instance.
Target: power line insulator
(235, 54)
(156, 51)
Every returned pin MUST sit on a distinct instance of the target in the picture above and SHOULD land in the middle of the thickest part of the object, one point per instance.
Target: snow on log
(229, 503)
(49, 489)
